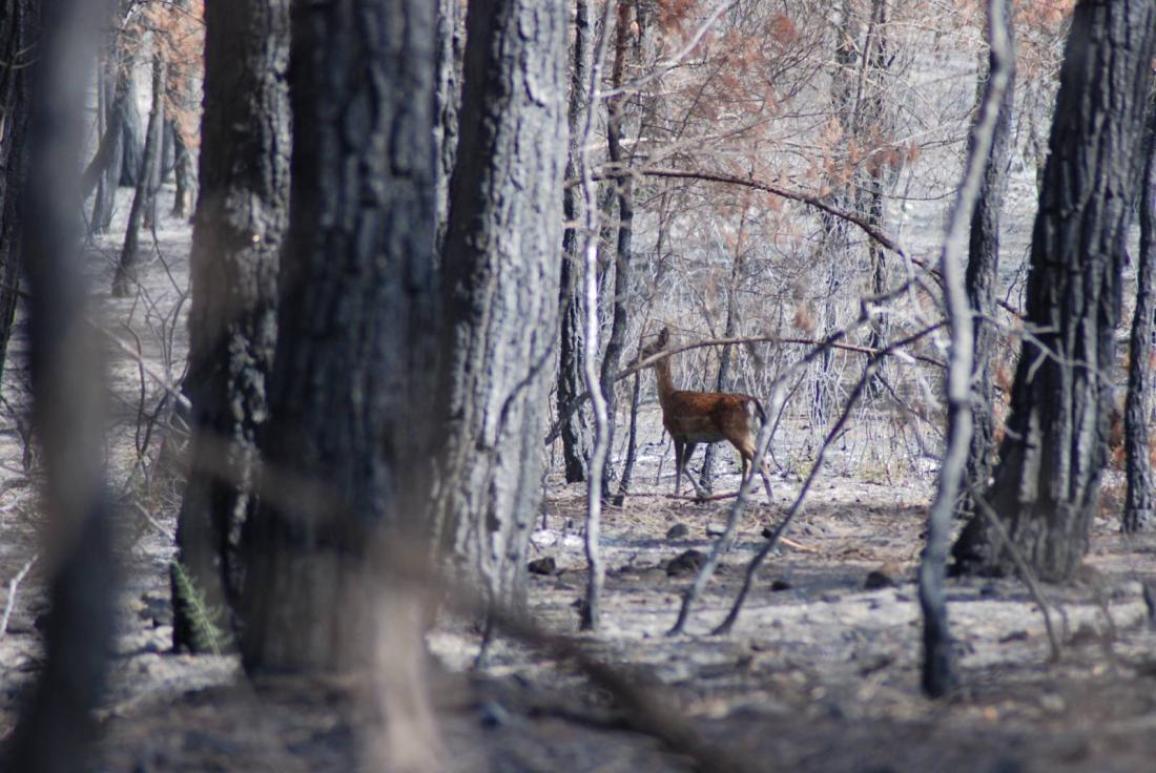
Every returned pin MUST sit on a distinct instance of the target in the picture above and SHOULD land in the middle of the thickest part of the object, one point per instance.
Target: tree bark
(107, 171)
(1047, 483)
(348, 444)
(1138, 503)
(133, 153)
(17, 35)
(982, 282)
(156, 143)
(575, 431)
(126, 269)
(183, 172)
(624, 195)
(501, 290)
(450, 32)
(241, 219)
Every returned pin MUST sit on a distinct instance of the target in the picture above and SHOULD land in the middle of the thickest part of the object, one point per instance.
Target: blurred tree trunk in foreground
(56, 724)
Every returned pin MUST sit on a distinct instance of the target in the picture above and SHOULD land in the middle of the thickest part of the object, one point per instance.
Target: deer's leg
(766, 479)
(747, 453)
(698, 490)
(679, 452)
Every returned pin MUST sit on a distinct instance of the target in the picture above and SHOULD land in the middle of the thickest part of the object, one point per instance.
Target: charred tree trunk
(155, 143)
(347, 450)
(56, 724)
(873, 130)
(126, 270)
(1138, 504)
(106, 165)
(574, 428)
(624, 194)
(501, 289)
(241, 219)
(1047, 483)
(133, 153)
(450, 34)
(18, 20)
(183, 172)
(982, 280)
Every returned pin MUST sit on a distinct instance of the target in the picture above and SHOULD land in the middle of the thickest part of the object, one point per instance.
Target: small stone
(879, 578)
(780, 585)
(1052, 703)
(545, 565)
(493, 714)
(715, 529)
(678, 531)
(686, 562)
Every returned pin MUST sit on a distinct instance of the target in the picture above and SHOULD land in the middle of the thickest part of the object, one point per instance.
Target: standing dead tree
(241, 218)
(1139, 506)
(500, 297)
(1047, 484)
(148, 182)
(937, 658)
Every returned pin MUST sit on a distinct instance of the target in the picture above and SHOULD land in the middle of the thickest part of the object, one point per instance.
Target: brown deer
(706, 417)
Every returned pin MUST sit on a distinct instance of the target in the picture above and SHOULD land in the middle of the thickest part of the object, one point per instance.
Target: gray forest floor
(819, 674)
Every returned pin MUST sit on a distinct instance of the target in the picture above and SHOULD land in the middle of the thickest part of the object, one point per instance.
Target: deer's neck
(665, 380)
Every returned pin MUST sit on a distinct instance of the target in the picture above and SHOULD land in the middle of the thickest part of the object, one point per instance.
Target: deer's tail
(759, 410)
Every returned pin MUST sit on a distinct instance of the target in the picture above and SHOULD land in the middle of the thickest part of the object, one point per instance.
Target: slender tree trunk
(982, 282)
(624, 193)
(1047, 483)
(501, 291)
(133, 153)
(574, 428)
(156, 142)
(108, 171)
(126, 270)
(938, 676)
(241, 219)
(18, 19)
(873, 128)
(56, 724)
(450, 35)
(183, 168)
(1138, 504)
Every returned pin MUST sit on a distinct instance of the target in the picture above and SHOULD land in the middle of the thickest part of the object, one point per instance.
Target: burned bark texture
(573, 425)
(450, 36)
(1138, 502)
(18, 19)
(501, 289)
(623, 250)
(145, 197)
(241, 218)
(131, 142)
(347, 449)
(1047, 484)
(103, 173)
(982, 280)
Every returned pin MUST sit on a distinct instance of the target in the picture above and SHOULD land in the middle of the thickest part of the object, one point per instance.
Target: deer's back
(708, 417)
